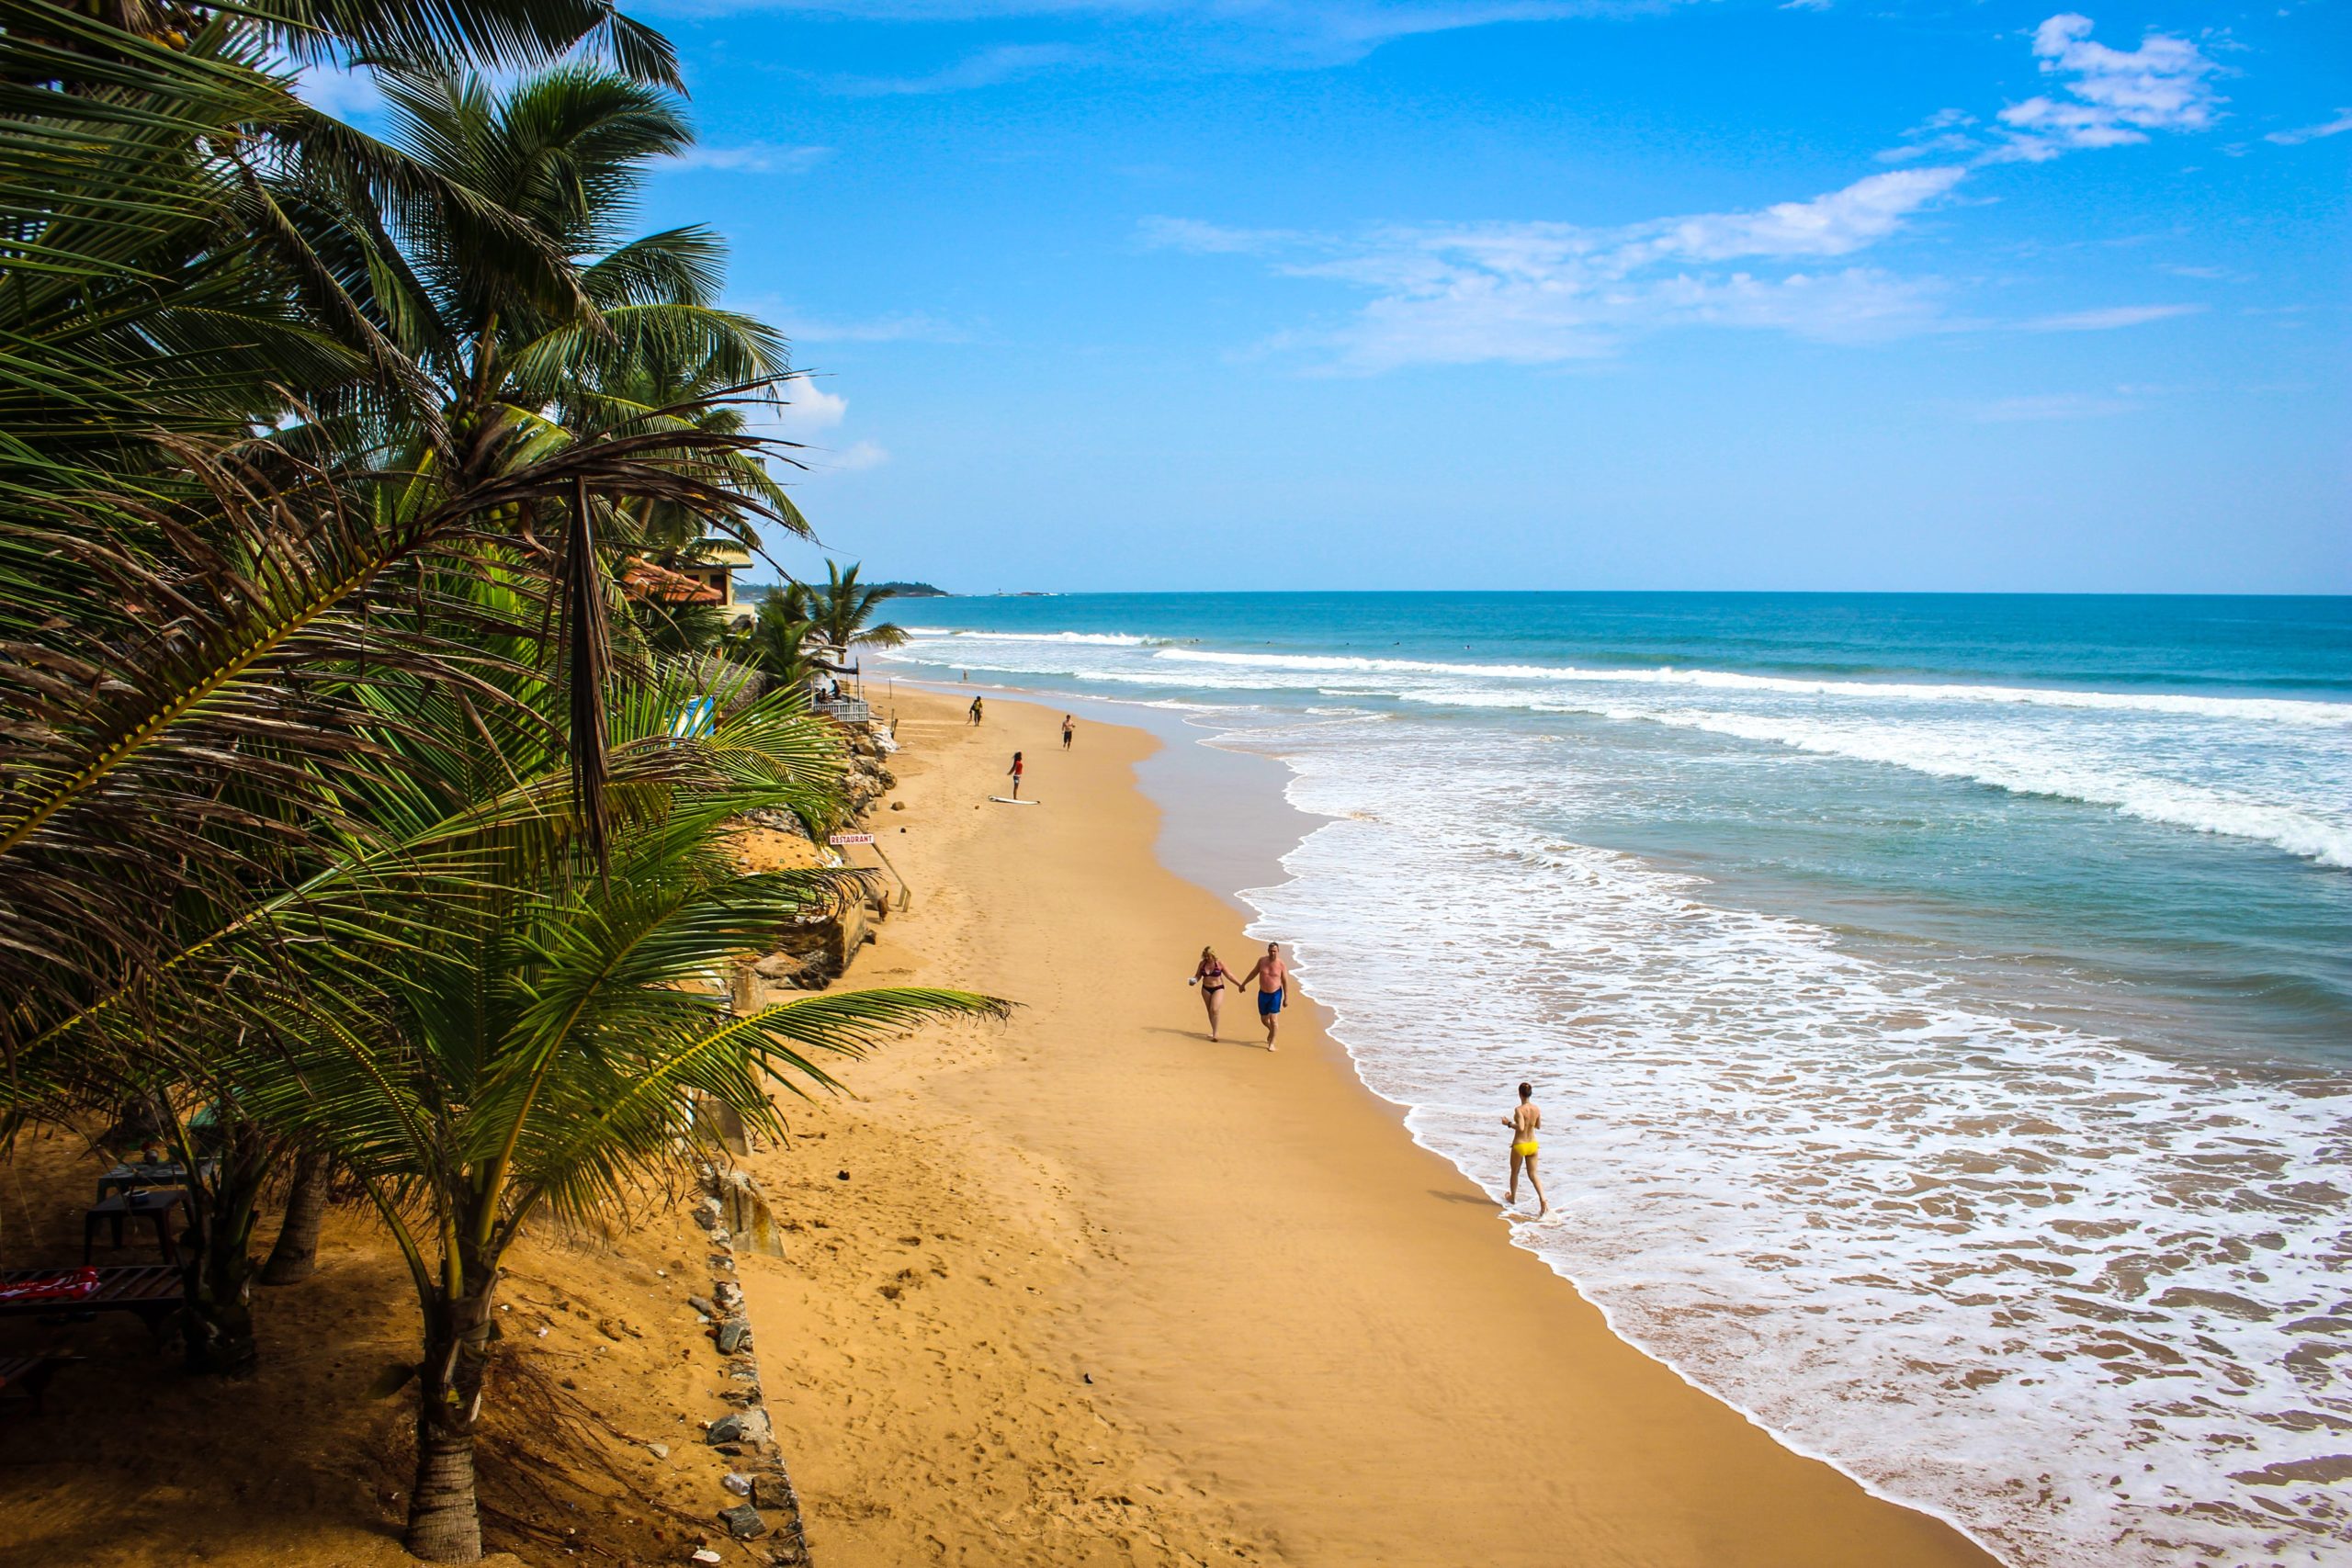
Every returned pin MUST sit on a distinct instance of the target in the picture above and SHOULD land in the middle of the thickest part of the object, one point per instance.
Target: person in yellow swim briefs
(1523, 1121)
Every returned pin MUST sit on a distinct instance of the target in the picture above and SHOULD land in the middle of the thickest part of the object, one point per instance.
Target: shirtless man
(1068, 729)
(1271, 976)
(1523, 1121)
(976, 708)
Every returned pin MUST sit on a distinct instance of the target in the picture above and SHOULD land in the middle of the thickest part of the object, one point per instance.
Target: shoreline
(1241, 1282)
(1178, 732)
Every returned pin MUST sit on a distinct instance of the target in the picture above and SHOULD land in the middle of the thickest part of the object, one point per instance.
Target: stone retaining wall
(762, 1507)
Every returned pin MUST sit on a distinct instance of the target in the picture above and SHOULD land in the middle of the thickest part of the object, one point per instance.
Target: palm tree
(783, 643)
(537, 1046)
(201, 621)
(842, 607)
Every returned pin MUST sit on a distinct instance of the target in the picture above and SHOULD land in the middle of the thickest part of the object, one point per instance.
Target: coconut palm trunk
(215, 1261)
(295, 1254)
(217, 1321)
(445, 1512)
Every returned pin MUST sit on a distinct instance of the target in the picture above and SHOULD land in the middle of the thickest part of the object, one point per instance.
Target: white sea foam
(1093, 639)
(2274, 770)
(2083, 1301)
(2276, 710)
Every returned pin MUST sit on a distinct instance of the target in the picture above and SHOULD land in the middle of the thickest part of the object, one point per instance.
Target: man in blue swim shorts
(1271, 976)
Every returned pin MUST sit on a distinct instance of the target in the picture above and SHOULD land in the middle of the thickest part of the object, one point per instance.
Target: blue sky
(1195, 294)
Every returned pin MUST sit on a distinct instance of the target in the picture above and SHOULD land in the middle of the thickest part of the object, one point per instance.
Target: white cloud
(1004, 63)
(752, 158)
(2109, 319)
(345, 91)
(2336, 127)
(1281, 34)
(809, 418)
(2111, 97)
(1537, 293)
(809, 410)
(1844, 221)
(1211, 238)
(911, 326)
(801, 327)
(2047, 406)
(1944, 131)
(857, 455)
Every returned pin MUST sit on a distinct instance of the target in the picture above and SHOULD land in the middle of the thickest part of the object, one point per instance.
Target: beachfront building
(704, 574)
(713, 564)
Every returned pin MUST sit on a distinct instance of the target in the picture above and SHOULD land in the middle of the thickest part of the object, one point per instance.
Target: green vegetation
(806, 630)
(339, 820)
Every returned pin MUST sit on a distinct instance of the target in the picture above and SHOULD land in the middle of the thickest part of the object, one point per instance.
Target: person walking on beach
(976, 713)
(1210, 976)
(1271, 976)
(1524, 1121)
(1016, 772)
(1068, 729)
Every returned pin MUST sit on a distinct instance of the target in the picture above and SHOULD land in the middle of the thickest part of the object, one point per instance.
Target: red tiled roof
(644, 579)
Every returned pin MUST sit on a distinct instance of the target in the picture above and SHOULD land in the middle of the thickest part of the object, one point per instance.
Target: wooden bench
(27, 1377)
(151, 1291)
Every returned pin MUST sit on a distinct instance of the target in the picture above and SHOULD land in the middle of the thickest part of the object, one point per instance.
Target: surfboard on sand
(1008, 800)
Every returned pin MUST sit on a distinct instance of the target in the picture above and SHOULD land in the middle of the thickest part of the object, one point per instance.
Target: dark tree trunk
(217, 1265)
(218, 1330)
(296, 1255)
(444, 1514)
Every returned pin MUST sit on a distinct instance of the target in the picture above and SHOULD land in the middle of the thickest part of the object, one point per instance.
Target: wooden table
(163, 1173)
(155, 1205)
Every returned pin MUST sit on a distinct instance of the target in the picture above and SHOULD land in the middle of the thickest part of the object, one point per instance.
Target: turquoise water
(1946, 1001)
(2177, 858)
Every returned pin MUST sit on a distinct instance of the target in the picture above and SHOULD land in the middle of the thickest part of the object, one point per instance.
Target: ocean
(1941, 1005)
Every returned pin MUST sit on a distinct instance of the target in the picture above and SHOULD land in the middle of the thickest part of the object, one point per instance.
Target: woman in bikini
(1210, 976)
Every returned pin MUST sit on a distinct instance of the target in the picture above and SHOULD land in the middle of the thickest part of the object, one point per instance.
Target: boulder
(743, 1522)
(751, 1427)
(734, 1335)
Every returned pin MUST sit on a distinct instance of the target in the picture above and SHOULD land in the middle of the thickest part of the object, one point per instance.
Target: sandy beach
(1088, 1288)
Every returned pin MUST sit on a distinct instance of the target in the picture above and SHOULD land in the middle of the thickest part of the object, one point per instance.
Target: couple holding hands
(1270, 975)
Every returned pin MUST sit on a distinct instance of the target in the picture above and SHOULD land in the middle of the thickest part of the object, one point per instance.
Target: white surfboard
(1008, 800)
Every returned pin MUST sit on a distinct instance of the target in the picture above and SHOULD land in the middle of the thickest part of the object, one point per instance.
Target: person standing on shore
(1210, 976)
(1016, 772)
(1523, 1121)
(1271, 976)
(1068, 729)
(976, 713)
